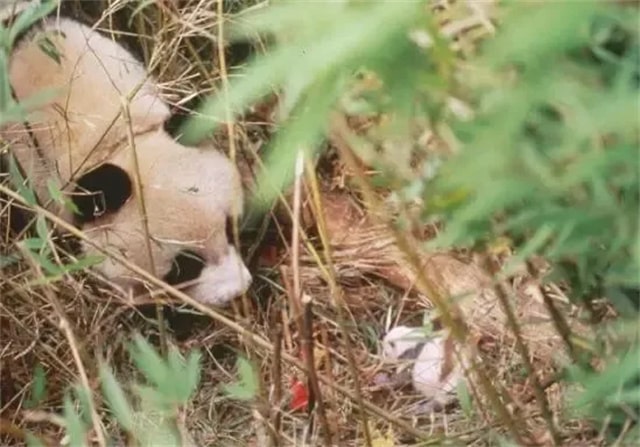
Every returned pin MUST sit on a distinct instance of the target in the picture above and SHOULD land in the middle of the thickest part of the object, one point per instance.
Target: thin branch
(503, 296)
(560, 324)
(307, 347)
(302, 305)
(276, 379)
(145, 219)
(296, 296)
(231, 137)
(338, 302)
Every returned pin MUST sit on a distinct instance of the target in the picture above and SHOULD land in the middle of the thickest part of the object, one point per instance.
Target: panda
(97, 132)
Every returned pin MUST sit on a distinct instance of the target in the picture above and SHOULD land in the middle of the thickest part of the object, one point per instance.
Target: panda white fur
(81, 139)
(429, 360)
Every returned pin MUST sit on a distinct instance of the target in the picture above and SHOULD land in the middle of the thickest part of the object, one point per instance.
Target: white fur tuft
(220, 283)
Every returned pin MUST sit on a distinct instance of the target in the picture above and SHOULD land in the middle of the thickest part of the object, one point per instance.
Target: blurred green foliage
(551, 158)
(149, 415)
(327, 47)
(247, 386)
(547, 155)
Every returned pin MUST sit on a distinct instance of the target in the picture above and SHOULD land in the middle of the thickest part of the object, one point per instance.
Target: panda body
(98, 133)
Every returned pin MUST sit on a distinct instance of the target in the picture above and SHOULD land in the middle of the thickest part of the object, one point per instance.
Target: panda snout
(222, 282)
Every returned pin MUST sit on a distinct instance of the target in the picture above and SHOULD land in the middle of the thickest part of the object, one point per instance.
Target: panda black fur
(89, 144)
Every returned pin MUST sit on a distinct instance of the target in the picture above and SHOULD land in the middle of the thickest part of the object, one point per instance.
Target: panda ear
(100, 191)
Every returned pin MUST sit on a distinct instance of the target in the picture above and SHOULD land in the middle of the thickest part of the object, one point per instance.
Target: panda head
(163, 206)
(171, 216)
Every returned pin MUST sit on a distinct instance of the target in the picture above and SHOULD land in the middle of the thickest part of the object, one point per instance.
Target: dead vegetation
(347, 261)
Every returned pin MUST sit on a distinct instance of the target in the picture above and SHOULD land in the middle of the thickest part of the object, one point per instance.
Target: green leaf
(533, 246)
(53, 187)
(33, 13)
(156, 426)
(148, 361)
(34, 243)
(75, 428)
(85, 402)
(33, 440)
(49, 267)
(246, 388)
(185, 375)
(563, 23)
(464, 397)
(504, 442)
(55, 192)
(41, 228)
(256, 82)
(192, 374)
(303, 134)
(628, 397)
(4, 38)
(610, 380)
(5, 87)
(20, 183)
(18, 111)
(83, 263)
(38, 387)
(427, 323)
(280, 18)
(116, 399)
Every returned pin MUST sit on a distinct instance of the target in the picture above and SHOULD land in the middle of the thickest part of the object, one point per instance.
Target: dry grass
(367, 284)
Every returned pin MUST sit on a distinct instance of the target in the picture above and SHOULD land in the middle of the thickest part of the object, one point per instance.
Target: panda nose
(186, 266)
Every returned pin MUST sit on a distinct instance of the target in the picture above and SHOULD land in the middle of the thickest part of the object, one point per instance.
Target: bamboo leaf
(34, 12)
(116, 398)
(75, 428)
(246, 388)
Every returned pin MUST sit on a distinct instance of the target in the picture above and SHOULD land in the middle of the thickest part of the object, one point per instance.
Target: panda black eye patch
(102, 190)
(186, 266)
